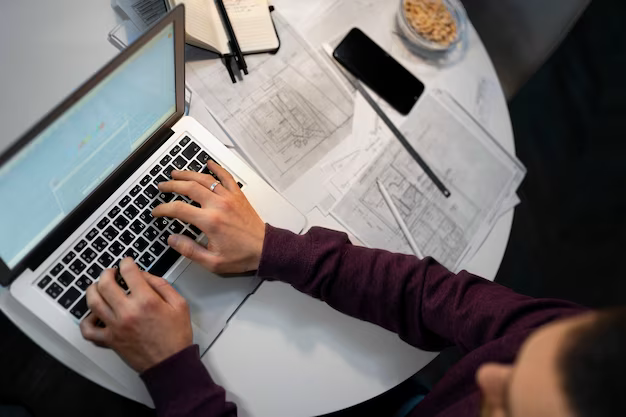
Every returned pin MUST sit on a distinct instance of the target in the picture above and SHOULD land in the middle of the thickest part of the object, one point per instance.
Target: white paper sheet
(478, 172)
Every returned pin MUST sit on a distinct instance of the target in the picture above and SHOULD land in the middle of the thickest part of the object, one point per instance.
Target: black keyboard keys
(156, 248)
(142, 201)
(55, 271)
(145, 180)
(184, 141)
(83, 283)
(194, 229)
(137, 226)
(69, 297)
(110, 233)
(131, 211)
(131, 252)
(155, 170)
(136, 189)
(88, 255)
(146, 216)
(179, 162)
(161, 223)
(114, 212)
(165, 160)
(103, 222)
(80, 308)
(105, 260)
(203, 157)
(150, 233)
(120, 281)
(155, 203)
(175, 227)
(164, 263)
(54, 290)
(45, 281)
(80, 245)
(146, 260)
(164, 236)
(191, 150)
(94, 271)
(140, 244)
(92, 233)
(124, 201)
(116, 248)
(120, 222)
(189, 234)
(151, 191)
(99, 244)
(194, 166)
(175, 150)
(66, 278)
(167, 197)
(68, 258)
(159, 180)
(127, 237)
(168, 171)
(77, 267)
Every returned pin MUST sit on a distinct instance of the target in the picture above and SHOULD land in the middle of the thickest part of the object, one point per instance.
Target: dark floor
(569, 233)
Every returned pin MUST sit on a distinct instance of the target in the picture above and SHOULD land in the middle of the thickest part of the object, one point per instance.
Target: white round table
(283, 353)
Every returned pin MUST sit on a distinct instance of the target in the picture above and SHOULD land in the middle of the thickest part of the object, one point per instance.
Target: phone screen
(379, 71)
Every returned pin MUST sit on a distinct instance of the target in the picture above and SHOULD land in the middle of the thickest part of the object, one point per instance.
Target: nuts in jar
(432, 20)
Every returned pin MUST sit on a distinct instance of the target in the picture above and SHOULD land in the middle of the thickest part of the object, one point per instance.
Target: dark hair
(592, 365)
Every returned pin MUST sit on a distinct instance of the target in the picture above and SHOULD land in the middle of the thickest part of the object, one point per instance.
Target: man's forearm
(423, 302)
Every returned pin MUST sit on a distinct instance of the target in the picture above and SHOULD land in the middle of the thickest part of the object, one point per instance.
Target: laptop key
(103, 222)
(131, 211)
(159, 180)
(140, 244)
(136, 189)
(155, 170)
(120, 222)
(99, 244)
(80, 245)
(44, 281)
(105, 260)
(161, 223)
(116, 248)
(92, 233)
(54, 290)
(194, 229)
(141, 201)
(88, 255)
(110, 233)
(80, 308)
(146, 260)
(203, 157)
(151, 191)
(164, 263)
(124, 201)
(68, 258)
(168, 171)
(167, 197)
(191, 150)
(55, 271)
(179, 162)
(69, 297)
(83, 283)
(94, 271)
(145, 180)
(184, 141)
(189, 234)
(164, 236)
(127, 237)
(146, 216)
(137, 226)
(175, 227)
(175, 150)
(150, 233)
(156, 249)
(194, 166)
(131, 252)
(155, 203)
(66, 278)
(165, 160)
(120, 281)
(114, 212)
(77, 267)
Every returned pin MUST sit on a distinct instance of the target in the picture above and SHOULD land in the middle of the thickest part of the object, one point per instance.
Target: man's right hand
(235, 231)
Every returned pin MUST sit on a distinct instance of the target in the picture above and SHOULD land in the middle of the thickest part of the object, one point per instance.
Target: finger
(92, 332)
(203, 179)
(191, 189)
(133, 277)
(98, 306)
(110, 291)
(165, 290)
(179, 210)
(190, 249)
(224, 176)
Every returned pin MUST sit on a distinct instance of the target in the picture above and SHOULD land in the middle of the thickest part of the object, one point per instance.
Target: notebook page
(252, 24)
(203, 24)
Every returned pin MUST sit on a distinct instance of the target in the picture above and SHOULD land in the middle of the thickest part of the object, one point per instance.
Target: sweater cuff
(177, 379)
(285, 256)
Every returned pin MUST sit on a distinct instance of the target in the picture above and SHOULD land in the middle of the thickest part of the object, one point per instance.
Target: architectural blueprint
(479, 174)
(286, 115)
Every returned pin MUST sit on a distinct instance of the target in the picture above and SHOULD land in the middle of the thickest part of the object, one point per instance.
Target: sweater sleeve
(181, 386)
(420, 300)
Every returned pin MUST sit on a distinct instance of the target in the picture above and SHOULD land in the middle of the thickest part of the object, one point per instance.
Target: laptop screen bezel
(78, 216)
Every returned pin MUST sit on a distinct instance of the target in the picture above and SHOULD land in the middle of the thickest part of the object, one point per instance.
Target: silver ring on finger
(215, 184)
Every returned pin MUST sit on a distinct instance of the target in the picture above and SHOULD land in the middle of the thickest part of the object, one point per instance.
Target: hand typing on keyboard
(234, 230)
(144, 327)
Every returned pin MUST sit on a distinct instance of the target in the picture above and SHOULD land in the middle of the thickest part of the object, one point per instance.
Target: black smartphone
(379, 71)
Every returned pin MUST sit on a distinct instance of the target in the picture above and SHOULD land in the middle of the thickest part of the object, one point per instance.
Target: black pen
(234, 45)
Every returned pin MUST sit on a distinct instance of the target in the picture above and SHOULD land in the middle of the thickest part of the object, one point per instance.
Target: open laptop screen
(55, 172)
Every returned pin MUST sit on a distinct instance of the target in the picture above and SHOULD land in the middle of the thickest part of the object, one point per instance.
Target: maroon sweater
(420, 300)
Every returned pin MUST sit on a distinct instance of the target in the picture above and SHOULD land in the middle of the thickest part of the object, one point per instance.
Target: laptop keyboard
(127, 229)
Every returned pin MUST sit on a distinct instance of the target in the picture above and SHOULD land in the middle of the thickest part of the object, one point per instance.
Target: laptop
(79, 187)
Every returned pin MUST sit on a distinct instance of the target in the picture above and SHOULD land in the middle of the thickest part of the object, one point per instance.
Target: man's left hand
(144, 327)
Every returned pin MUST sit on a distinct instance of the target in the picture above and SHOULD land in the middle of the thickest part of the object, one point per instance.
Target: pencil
(399, 220)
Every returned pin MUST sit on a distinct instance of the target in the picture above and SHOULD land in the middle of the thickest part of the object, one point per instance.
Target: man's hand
(144, 327)
(235, 231)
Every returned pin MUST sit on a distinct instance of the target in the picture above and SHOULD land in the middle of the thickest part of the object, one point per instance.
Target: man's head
(571, 368)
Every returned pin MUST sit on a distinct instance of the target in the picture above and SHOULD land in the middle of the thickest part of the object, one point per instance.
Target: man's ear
(493, 380)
